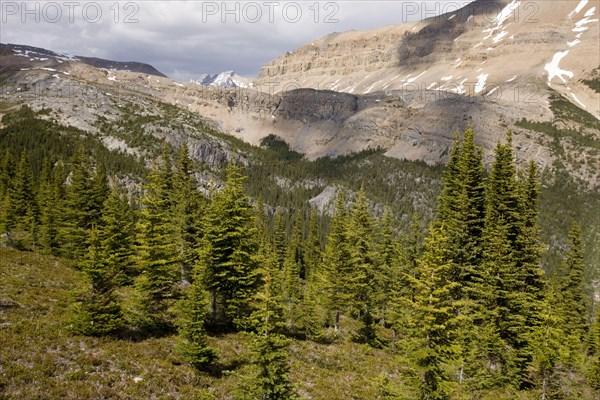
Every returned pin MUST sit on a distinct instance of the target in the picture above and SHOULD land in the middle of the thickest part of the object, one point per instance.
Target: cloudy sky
(186, 38)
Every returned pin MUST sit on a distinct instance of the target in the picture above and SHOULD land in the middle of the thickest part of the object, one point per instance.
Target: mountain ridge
(41, 55)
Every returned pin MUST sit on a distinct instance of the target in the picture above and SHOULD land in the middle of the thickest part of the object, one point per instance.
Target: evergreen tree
(528, 249)
(336, 274)
(361, 266)
(100, 191)
(97, 311)
(574, 309)
(7, 219)
(387, 269)
(435, 342)
(50, 200)
(7, 222)
(270, 378)
(117, 235)
(193, 343)
(510, 287)
(23, 205)
(300, 308)
(462, 211)
(80, 206)
(280, 238)
(548, 343)
(189, 206)
(6, 172)
(157, 251)
(228, 257)
(313, 254)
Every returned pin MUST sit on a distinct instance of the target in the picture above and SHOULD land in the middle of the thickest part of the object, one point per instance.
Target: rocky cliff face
(489, 48)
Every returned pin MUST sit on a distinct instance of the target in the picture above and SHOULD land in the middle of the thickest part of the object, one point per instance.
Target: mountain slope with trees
(463, 309)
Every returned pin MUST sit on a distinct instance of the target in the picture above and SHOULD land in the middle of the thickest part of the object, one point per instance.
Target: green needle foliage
(97, 311)
(193, 342)
(228, 257)
(157, 258)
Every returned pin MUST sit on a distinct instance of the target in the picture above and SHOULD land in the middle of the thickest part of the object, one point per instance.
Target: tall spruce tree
(193, 342)
(23, 205)
(511, 283)
(188, 211)
(574, 309)
(270, 377)
(228, 256)
(387, 269)
(157, 251)
(462, 210)
(548, 340)
(434, 342)
(336, 274)
(50, 198)
(362, 262)
(117, 233)
(80, 206)
(97, 311)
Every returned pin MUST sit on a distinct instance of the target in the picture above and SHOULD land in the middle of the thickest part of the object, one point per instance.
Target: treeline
(468, 310)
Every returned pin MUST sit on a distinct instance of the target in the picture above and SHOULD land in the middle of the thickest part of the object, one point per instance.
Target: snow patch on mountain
(554, 70)
(579, 7)
(480, 85)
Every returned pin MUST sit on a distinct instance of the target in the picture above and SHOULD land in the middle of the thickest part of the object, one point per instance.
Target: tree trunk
(544, 384)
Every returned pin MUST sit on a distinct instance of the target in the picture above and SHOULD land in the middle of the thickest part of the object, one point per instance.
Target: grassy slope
(40, 359)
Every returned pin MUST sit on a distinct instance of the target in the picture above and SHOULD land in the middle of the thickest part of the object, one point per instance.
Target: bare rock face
(488, 48)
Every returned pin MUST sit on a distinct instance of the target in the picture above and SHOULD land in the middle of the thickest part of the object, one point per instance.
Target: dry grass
(41, 359)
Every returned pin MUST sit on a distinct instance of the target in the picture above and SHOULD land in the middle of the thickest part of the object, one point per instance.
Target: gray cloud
(186, 38)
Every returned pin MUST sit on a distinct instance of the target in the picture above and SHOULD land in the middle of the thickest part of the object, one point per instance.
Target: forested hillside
(243, 290)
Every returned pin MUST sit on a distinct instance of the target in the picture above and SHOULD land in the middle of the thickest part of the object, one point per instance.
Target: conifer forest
(166, 289)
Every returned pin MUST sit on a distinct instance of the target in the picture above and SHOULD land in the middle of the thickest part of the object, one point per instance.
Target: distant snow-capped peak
(226, 80)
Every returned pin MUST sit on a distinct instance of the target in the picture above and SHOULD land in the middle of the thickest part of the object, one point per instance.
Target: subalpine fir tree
(80, 206)
(387, 269)
(402, 290)
(292, 267)
(7, 219)
(117, 235)
(299, 295)
(574, 309)
(228, 256)
(100, 190)
(313, 254)
(279, 238)
(157, 251)
(548, 340)
(6, 172)
(336, 274)
(270, 376)
(361, 267)
(510, 284)
(24, 207)
(49, 203)
(435, 344)
(462, 210)
(189, 206)
(96, 311)
(193, 342)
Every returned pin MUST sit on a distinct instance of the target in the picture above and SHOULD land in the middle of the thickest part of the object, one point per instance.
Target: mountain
(225, 80)
(492, 49)
(50, 58)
